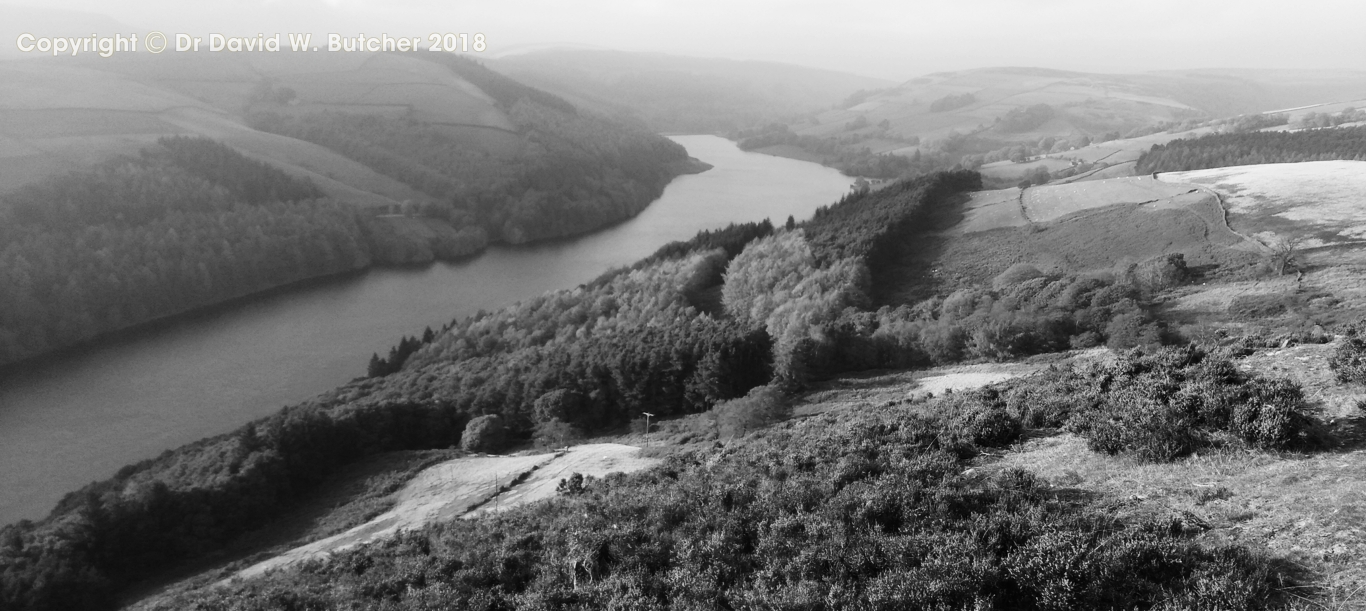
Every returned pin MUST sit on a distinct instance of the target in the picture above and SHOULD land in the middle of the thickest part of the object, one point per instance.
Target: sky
(883, 38)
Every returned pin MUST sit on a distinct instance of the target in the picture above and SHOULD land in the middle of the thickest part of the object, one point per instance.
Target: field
(1118, 170)
(1093, 224)
(336, 175)
(1327, 107)
(61, 116)
(1116, 156)
(1051, 202)
(1077, 227)
(1010, 169)
(462, 487)
(467, 487)
(1318, 203)
(988, 210)
(992, 210)
(442, 492)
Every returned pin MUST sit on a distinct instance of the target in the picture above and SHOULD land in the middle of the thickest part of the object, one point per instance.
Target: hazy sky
(885, 38)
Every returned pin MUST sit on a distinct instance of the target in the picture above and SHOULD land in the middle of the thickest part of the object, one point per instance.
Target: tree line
(953, 102)
(1223, 150)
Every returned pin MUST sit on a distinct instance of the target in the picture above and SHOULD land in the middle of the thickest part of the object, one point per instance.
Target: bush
(1016, 274)
(1132, 329)
(1051, 401)
(1349, 358)
(1145, 428)
(983, 418)
(763, 406)
(1272, 416)
(1083, 341)
(484, 434)
(1160, 272)
(1163, 405)
(943, 343)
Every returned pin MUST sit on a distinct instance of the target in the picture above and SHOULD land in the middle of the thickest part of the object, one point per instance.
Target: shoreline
(690, 166)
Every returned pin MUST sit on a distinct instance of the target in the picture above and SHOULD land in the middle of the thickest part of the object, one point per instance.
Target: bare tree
(1284, 253)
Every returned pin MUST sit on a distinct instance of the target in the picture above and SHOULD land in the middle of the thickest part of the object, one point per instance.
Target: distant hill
(977, 112)
(684, 94)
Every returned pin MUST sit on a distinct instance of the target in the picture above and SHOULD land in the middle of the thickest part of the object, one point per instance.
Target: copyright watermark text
(180, 42)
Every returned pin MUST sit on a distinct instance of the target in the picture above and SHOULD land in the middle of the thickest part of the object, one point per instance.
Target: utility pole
(648, 415)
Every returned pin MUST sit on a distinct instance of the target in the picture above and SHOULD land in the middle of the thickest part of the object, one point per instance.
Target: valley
(916, 321)
(198, 376)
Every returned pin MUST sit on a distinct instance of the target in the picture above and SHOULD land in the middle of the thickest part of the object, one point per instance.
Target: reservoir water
(78, 418)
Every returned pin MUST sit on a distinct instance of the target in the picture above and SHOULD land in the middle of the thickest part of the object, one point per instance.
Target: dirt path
(469, 487)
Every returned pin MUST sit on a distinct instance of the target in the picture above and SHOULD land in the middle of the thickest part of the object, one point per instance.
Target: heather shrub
(982, 418)
(1130, 329)
(1349, 358)
(1162, 405)
(852, 509)
(1143, 427)
(1272, 414)
(1050, 400)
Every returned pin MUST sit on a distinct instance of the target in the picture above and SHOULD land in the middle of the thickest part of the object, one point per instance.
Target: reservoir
(79, 418)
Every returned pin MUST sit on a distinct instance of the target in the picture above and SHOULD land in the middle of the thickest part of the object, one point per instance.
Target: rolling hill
(985, 113)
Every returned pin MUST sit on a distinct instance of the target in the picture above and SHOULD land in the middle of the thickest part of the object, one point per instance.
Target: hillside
(870, 497)
(683, 94)
(800, 307)
(416, 160)
(723, 336)
(1224, 220)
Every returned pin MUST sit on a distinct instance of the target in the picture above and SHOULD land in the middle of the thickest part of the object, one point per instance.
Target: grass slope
(60, 115)
(1317, 202)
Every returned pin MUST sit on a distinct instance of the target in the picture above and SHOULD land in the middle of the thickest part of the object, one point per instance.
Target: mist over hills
(684, 94)
(1079, 103)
